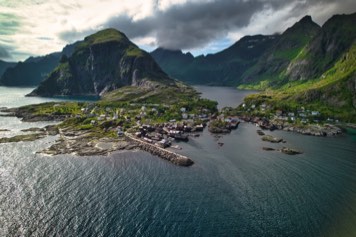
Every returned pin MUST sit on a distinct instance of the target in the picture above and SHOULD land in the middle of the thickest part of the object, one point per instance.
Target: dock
(170, 156)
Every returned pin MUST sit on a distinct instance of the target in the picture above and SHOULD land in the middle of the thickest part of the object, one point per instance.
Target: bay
(232, 190)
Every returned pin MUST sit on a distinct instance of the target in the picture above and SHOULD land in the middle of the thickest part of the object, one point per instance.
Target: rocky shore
(84, 143)
(305, 129)
(26, 116)
(285, 150)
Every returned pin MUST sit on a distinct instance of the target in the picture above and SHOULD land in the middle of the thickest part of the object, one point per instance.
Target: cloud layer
(37, 27)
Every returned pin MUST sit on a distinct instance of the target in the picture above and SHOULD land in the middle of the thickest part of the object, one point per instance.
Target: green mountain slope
(333, 94)
(271, 68)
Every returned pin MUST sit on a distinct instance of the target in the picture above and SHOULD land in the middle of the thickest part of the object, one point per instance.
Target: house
(291, 114)
(302, 115)
(199, 127)
(315, 113)
(184, 116)
(183, 110)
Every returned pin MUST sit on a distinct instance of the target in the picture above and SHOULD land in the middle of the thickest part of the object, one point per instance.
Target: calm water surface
(234, 190)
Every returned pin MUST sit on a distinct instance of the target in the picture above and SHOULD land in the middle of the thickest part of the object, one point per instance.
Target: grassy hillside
(333, 94)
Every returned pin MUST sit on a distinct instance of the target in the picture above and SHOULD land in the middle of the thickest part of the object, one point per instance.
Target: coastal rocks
(223, 126)
(268, 149)
(305, 129)
(219, 130)
(259, 132)
(22, 138)
(85, 145)
(4, 130)
(27, 115)
(289, 151)
(285, 150)
(32, 130)
(216, 128)
(269, 138)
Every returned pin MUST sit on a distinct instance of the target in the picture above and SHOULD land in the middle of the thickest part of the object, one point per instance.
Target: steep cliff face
(103, 62)
(336, 37)
(272, 65)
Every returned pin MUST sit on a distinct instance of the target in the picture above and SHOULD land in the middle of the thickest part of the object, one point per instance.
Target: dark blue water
(234, 190)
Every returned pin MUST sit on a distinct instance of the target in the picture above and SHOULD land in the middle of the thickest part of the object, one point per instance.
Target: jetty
(170, 156)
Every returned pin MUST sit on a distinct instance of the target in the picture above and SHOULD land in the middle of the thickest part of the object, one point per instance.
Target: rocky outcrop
(290, 151)
(269, 138)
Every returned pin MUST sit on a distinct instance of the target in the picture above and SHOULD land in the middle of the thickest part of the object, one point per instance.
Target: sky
(38, 27)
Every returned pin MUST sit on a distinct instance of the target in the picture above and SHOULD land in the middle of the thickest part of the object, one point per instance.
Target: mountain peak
(306, 19)
(305, 26)
(106, 35)
(103, 62)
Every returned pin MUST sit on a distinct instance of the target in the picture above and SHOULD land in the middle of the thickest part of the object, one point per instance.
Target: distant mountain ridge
(103, 62)
(34, 69)
(5, 65)
(223, 68)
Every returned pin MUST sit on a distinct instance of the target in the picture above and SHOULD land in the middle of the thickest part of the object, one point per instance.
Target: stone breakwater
(173, 157)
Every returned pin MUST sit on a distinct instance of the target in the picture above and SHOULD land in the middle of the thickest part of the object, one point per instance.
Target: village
(160, 125)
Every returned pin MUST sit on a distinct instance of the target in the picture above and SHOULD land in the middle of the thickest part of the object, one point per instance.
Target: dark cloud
(195, 24)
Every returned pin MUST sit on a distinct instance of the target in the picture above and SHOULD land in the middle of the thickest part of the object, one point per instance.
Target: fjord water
(234, 190)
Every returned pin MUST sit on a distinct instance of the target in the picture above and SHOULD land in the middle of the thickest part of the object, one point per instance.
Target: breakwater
(173, 157)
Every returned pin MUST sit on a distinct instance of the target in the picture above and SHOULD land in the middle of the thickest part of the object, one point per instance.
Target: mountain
(223, 68)
(322, 75)
(336, 37)
(305, 66)
(270, 68)
(34, 69)
(104, 62)
(5, 65)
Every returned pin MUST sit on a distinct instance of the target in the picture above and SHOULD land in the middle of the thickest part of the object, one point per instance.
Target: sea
(236, 189)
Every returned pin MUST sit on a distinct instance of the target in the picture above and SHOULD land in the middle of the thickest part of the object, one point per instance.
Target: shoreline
(325, 130)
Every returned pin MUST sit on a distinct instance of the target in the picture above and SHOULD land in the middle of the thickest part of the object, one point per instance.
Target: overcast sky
(39, 27)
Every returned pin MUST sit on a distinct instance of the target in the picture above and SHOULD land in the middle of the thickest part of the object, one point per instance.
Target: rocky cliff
(272, 64)
(103, 62)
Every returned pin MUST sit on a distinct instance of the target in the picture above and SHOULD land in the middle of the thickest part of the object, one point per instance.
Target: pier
(170, 156)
